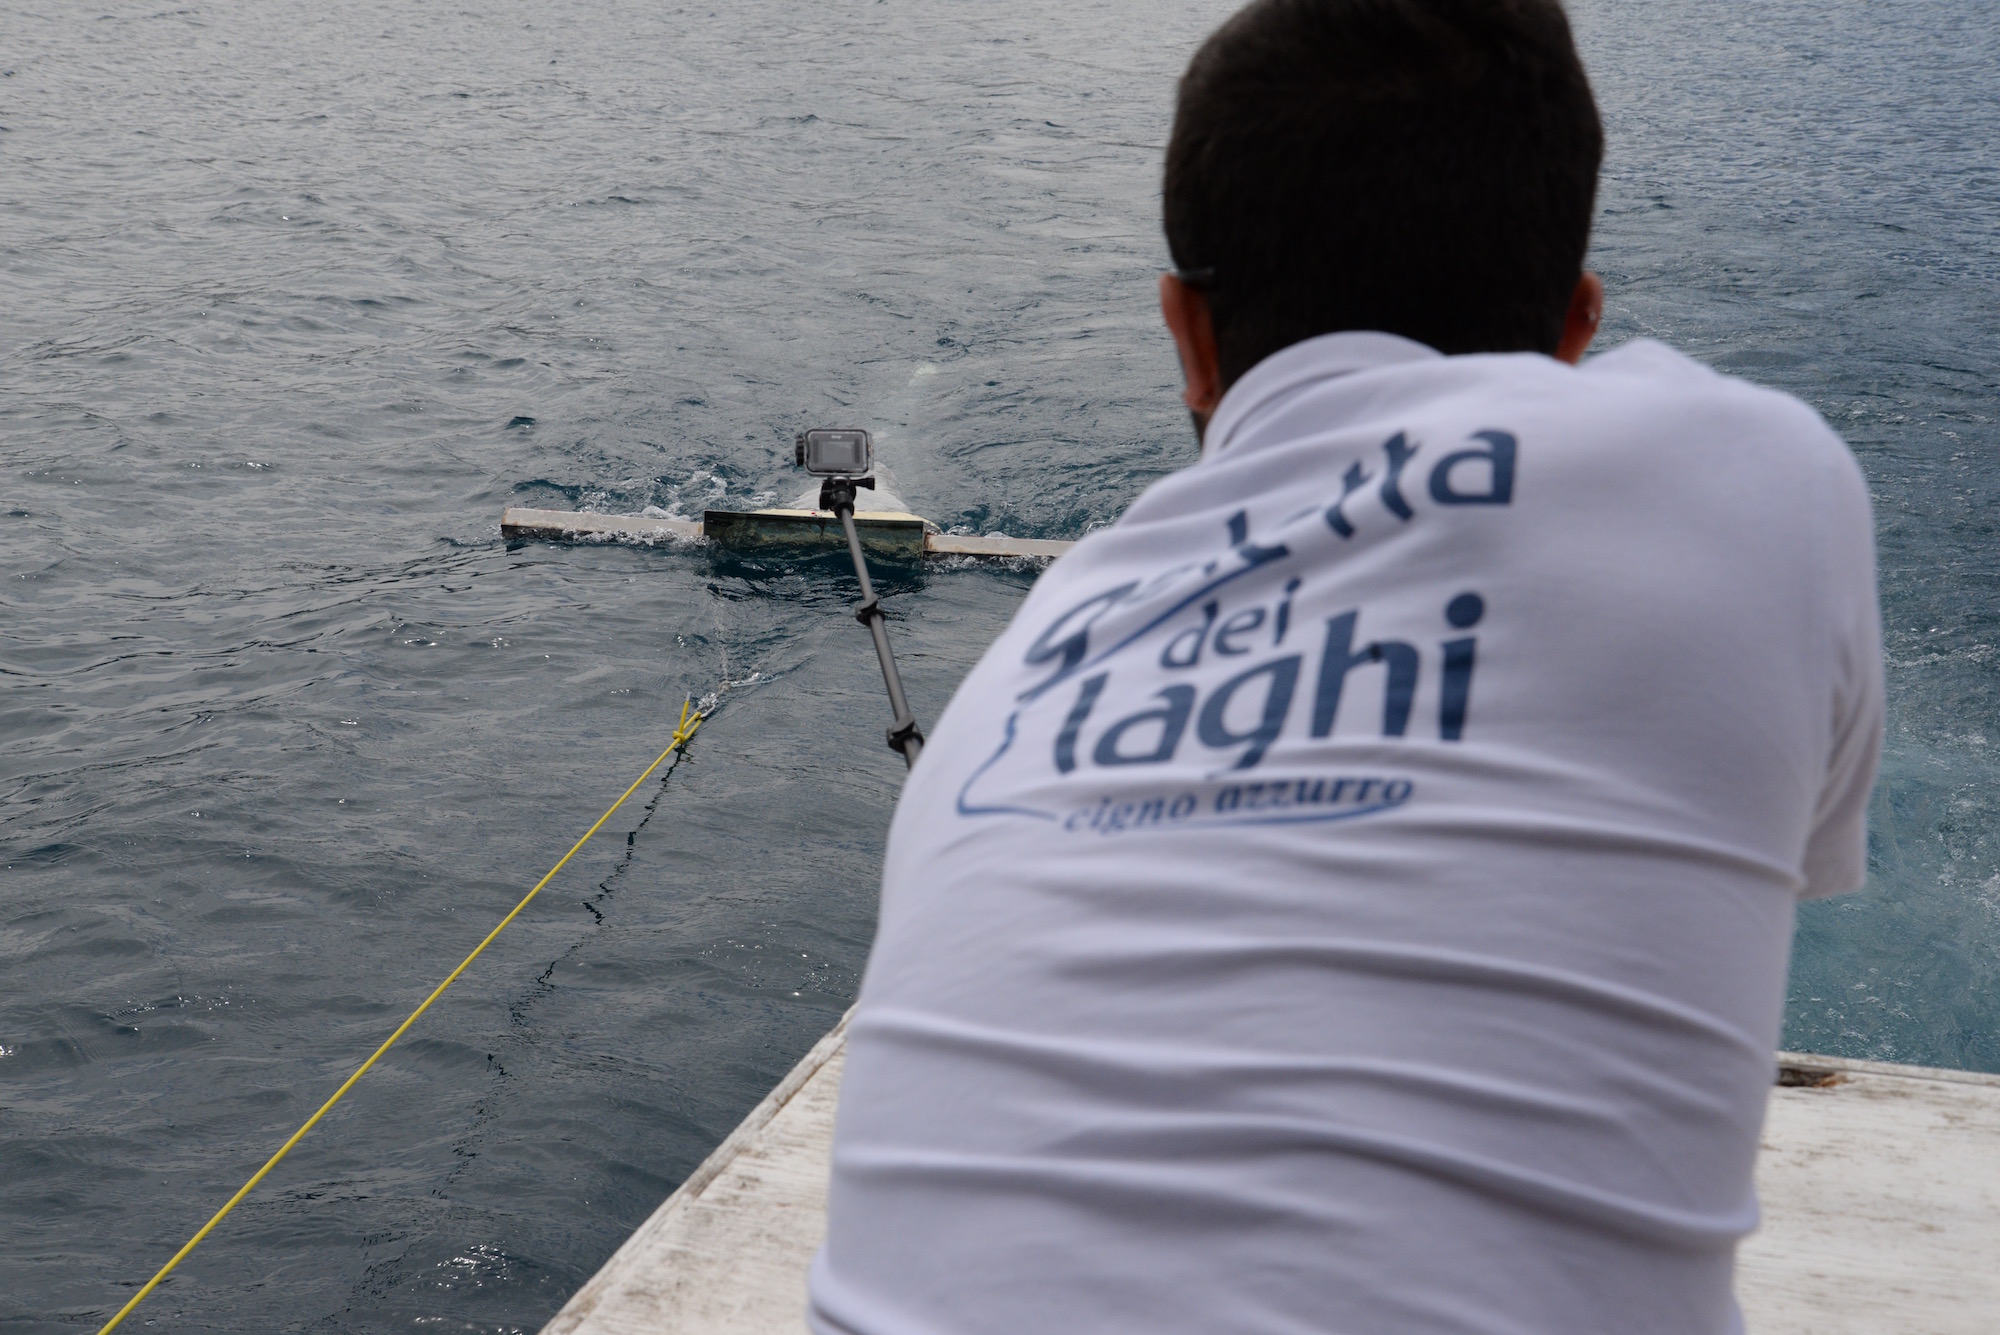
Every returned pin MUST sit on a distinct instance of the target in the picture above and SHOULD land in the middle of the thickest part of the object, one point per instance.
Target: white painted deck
(1881, 1193)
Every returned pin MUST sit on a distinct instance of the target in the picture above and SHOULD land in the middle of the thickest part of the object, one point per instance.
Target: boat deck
(1880, 1187)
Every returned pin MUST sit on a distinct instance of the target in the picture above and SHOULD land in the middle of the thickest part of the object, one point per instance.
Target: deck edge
(581, 1303)
(1813, 1061)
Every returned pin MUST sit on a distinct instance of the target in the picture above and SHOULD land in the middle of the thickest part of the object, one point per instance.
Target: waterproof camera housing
(835, 452)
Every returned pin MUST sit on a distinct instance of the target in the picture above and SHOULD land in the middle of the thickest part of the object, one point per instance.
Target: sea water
(298, 297)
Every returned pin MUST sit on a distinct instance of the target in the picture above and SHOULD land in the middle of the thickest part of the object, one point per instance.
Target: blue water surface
(298, 297)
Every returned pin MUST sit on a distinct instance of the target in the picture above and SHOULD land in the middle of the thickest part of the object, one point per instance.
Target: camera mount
(905, 738)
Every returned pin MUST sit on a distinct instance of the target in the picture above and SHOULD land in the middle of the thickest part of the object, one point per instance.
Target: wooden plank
(893, 533)
(1880, 1186)
(888, 532)
(945, 544)
(522, 522)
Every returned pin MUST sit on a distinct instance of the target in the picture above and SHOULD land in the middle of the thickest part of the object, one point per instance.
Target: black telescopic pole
(837, 494)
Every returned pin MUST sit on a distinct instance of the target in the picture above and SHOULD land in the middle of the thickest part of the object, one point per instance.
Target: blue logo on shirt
(1176, 629)
(1264, 802)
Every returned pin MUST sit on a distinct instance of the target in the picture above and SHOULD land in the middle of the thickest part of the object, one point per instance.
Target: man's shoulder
(1644, 371)
(1654, 391)
(1641, 406)
(1642, 385)
(1642, 426)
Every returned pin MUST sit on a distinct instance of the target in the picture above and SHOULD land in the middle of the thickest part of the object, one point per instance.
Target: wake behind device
(842, 456)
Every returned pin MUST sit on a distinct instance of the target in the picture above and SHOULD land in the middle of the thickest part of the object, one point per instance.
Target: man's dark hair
(1423, 167)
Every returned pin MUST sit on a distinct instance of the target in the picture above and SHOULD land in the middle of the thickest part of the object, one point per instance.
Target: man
(1355, 893)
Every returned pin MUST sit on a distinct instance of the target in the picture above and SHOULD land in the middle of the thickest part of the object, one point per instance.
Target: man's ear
(1188, 320)
(1586, 308)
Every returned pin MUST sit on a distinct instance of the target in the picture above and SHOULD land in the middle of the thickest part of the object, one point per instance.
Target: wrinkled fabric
(1355, 893)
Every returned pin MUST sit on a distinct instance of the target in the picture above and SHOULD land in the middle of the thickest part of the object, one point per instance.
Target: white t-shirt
(1354, 895)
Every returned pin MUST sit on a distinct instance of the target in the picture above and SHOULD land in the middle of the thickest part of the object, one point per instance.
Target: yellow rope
(690, 720)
